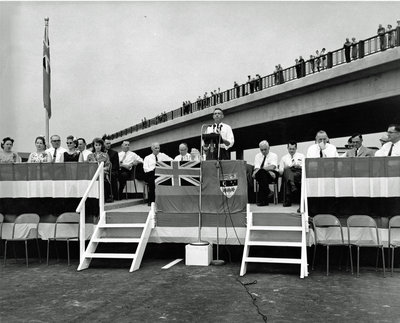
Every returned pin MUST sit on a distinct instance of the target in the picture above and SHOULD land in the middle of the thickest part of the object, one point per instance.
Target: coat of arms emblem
(228, 184)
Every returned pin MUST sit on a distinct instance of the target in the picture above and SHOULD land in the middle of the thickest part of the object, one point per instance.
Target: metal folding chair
(331, 223)
(368, 226)
(66, 229)
(394, 240)
(21, 231)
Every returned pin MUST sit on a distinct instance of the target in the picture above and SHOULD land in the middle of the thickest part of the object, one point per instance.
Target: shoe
(287, 204)
(262, 204)
(298, 210)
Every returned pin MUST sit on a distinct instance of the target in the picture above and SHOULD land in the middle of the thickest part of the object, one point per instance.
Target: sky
(114, 63)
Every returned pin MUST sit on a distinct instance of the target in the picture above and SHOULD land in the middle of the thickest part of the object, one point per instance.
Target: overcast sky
(115, 63)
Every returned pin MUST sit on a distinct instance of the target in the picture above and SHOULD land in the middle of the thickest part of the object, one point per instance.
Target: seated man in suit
(183, 153)
(149, 166)
(322, 148)
(127, 159)
(358, 150)
(290, 169)
(265, 165)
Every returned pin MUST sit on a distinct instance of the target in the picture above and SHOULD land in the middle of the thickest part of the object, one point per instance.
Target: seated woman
(99, 155)
(7, 155)
(40, 156)
(71, 155)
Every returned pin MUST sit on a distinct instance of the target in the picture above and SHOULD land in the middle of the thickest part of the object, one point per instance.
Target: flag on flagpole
(46, 69)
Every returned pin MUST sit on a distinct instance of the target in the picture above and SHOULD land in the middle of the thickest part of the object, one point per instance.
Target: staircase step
(274, 228)
(121, 225)
(274, 260)
(111, 255)
(275, 243)
(117, 240)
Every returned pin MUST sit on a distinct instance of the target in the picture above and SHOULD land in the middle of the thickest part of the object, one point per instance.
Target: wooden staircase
(110, 230)
(260, 234)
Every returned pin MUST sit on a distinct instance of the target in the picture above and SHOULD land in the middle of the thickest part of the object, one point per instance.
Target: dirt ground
(107, 292)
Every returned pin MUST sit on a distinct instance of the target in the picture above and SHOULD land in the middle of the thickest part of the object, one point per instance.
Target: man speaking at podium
(226, 139)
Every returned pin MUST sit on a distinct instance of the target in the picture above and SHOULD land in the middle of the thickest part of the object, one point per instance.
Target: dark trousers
(292, 182)
(123, 176)
(264, 178)
(150, 179)
(114, 183)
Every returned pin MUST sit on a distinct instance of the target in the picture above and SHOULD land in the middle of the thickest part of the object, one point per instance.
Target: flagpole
(47, 133)
(46, 79)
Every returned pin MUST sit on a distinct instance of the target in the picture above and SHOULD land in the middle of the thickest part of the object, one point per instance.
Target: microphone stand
(218, 262)
(199, 242)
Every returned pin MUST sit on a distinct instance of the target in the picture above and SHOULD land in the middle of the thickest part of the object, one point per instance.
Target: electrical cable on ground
(253, 297)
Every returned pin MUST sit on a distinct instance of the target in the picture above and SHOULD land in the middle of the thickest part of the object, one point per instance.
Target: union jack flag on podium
(177, 186)
(175, 173)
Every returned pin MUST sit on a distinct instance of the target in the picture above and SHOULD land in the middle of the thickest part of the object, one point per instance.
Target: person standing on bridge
(347, 48)
(226, 135)
(382, 36)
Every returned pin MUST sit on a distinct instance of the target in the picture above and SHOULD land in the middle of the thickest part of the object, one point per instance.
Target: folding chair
(66, 229)
(1, 228)
(368, 226)
(331, 223)
(394, 241)
(21, 231)
(275, 191)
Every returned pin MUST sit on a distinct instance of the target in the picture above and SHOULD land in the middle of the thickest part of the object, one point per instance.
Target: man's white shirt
(129, 157)
(384, 151)
(60, 152)
(225, 132)
(288, 161)
(271, 159)
(149, 163)
(314, 151)
(187, 157)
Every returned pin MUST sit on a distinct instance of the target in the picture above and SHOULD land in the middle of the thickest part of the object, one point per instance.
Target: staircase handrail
(81, 207)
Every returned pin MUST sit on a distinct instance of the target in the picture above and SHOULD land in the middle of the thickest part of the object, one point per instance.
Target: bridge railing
(366, 47)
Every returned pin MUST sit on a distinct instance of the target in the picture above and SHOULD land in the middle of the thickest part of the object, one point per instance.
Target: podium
(212, 140)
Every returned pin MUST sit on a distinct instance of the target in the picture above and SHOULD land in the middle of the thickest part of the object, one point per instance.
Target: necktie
(181, 158)
(292, 161)
(263, 162)
(155, 156)
(123, 158)
(390, 151)
(81, 157)
(321, 154)
(54, 155)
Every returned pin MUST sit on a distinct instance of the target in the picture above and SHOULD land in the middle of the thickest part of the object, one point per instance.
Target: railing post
(329, 60)
(101, 192)
(361, 51)
(82, 235)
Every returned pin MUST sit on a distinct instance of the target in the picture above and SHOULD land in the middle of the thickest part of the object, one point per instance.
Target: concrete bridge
(361, 96)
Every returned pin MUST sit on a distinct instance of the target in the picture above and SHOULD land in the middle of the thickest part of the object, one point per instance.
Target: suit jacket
(362, 152)
(114, 159)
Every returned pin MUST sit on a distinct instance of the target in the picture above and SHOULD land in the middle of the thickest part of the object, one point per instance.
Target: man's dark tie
(390, 151)
(55, 154)
(321, 154)
(156, 158)
(263, 162)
